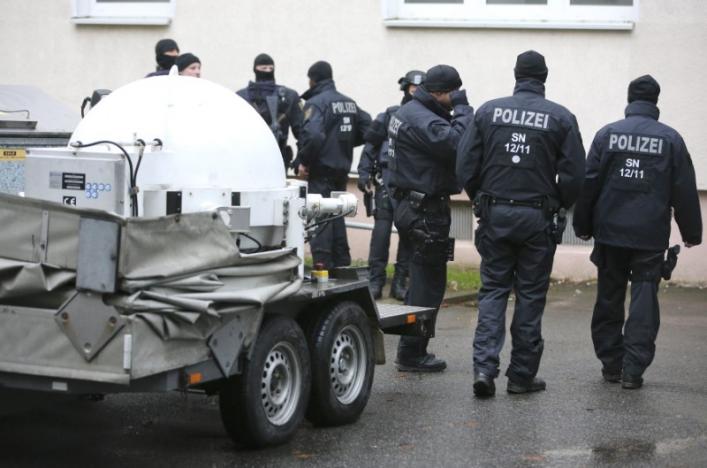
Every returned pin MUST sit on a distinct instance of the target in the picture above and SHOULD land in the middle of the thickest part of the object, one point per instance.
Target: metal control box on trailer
(29, 118)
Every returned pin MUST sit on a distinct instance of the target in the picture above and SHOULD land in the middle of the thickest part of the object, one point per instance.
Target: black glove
(376, 133)
(362, 184)
(458, 97)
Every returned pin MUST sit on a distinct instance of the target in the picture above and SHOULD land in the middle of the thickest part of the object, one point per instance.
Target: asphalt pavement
(423, 420)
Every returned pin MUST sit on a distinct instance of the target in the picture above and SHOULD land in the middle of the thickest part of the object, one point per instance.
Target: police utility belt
(483, 201)
(420, 199)
(551, 207)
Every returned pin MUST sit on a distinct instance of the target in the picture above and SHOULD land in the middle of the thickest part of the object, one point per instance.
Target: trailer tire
(265, 405)
(343, 362)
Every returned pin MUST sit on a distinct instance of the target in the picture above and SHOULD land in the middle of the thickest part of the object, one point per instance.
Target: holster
(369, 201)
(558, 226)
(671, 260)
(481, 205)
(416, 199)
(434, 249)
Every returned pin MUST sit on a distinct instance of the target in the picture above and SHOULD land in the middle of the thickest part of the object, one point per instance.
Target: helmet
(413, 77)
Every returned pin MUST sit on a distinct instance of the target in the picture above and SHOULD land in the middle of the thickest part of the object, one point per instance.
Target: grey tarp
(181, 274)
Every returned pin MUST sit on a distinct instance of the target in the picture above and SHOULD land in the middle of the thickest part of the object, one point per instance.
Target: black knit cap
(165, 45)
(531, 64)
(442, 78)
(644, 88)
(320, 71)
(184, 60)
(263, 59)
(413, 77)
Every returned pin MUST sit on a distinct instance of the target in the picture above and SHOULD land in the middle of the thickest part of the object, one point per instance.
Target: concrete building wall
(571, 261)
(589, 70)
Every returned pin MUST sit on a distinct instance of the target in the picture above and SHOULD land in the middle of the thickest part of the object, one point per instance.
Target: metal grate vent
(462, 221)
(463, 225)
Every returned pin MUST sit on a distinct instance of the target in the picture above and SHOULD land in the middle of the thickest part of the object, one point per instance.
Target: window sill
(498, 24)
(124, 21)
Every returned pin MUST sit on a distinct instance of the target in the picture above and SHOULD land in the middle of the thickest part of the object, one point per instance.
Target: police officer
(189, 65)
(373, 171)
(638, 169)
(423, 138)
(333, 126)
(166, 53)
(278, 105)
(521, 162)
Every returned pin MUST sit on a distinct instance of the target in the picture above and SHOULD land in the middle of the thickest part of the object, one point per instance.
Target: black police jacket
(423, 139)
(374, 157)
(289, 111)
(637, 170)
(333, 126)
(161, 72)
(523, 147)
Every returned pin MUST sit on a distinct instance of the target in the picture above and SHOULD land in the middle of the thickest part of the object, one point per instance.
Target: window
(137, 12)
(538, 14)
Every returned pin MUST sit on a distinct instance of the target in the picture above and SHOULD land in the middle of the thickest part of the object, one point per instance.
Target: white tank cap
(211, 137)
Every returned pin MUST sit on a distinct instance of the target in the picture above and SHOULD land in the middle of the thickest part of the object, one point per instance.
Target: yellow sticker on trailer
(12, 154)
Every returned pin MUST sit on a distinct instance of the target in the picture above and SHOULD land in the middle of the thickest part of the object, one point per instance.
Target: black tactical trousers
(427, 227)
(630, 347)
(380, 242)
(517, 252)
(330, 246)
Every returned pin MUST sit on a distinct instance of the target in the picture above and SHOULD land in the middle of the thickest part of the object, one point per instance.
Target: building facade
(593, 49)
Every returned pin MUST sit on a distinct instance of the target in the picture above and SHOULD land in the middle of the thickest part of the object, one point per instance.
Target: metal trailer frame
(85, 346)
(345, 285)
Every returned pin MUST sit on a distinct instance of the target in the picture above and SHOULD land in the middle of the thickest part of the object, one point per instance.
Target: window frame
(123, 12)
(556, 14)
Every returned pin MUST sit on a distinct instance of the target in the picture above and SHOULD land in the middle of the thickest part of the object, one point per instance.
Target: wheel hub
(347, 364)
(280, 383)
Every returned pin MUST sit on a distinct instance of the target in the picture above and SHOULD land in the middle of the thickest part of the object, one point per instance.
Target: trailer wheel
(266, 403)
(341, 348)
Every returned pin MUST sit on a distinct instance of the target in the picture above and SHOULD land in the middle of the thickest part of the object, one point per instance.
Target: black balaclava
(320, 71)
(644, 88)
(184, 60)
(264, 59)
(165, 62)
(442, 78)
(531, 64)
(413, 77)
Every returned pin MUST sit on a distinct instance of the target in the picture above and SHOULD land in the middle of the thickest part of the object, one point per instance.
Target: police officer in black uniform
(333, 126)
(423, 138)
(166, 53)
(638, 170)
(521, 162)
(278, 105)
(373, 171)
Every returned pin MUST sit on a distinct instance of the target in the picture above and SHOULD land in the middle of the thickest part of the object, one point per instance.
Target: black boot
(483, 385)
(611, 376)
(631, 382)
(376, 290)
(398, 289)
(426, 363)
(523, 387)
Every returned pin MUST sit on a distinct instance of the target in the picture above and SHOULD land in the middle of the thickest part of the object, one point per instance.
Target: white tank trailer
(163, 250)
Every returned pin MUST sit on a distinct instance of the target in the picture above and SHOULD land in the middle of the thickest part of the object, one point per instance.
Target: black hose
(85, 102)
(328, 220)
(323, 223)
(142, 143)
(260, 246)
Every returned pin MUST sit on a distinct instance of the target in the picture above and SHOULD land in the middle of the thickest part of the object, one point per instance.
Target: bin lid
(28, 111)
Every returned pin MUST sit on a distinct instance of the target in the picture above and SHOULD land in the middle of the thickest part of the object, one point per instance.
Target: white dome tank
(211, 137)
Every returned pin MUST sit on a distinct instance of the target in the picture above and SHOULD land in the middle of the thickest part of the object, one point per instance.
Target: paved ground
(425, 420)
